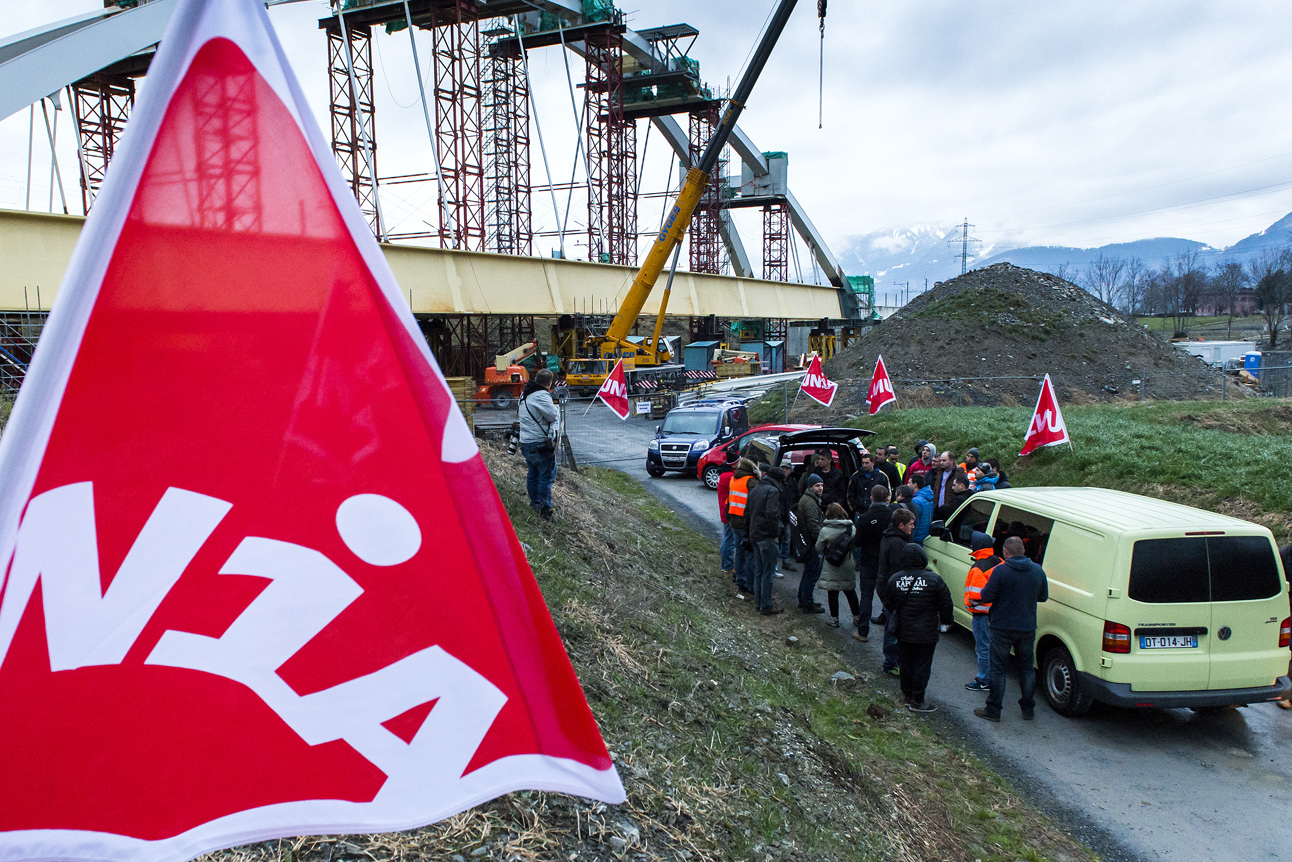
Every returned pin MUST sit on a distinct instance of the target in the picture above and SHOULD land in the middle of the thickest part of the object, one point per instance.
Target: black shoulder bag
(547, 445)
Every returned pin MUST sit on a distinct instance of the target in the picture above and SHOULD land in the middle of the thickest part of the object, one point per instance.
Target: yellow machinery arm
(670, 236)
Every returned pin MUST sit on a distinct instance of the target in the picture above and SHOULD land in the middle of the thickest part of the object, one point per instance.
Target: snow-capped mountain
(911, 254)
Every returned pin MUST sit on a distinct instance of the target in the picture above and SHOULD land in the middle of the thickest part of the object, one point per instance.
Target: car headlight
(699, 445)
(653, 445)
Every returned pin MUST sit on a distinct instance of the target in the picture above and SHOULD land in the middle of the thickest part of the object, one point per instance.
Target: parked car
(692, 429)
(1152, 604)
(712, 462)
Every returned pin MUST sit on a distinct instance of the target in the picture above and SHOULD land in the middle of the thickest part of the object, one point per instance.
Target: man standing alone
(1014, 590)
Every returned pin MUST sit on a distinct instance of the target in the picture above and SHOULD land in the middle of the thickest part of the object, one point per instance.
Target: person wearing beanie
(811, 518)
(984, 560)
(921, 604)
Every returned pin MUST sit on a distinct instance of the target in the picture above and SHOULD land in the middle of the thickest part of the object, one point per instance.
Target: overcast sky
(1074, 122)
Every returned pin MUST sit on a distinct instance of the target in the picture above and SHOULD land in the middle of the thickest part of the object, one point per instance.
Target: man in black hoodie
(891, 545)
(763, 516)
(871, 525)
(1014, 589)
(922, 604)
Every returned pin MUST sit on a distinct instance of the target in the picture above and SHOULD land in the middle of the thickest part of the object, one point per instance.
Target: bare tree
(1103, 277)
(1135, 285)
(1268, 272)
(1185, 280)
(1227, 283)
(1064, 271)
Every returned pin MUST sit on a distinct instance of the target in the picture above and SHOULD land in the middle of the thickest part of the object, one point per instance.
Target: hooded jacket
(923, 503)
(763, 513)
(810, 516)
(871, 525)
(1014, 589)
(891, 545)
(842, 576)
(539, 418)
(739, 522)
(860, 485)
(984, 560)
(919, 597)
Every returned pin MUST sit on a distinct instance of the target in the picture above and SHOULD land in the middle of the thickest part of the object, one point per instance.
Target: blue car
(691, 430)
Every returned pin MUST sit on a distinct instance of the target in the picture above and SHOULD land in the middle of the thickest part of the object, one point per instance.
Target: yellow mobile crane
(653, 353)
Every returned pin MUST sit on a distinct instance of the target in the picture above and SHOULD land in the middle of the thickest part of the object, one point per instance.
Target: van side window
(971, 518)
(1033, 529)
(1169, 571)
(1242, 568)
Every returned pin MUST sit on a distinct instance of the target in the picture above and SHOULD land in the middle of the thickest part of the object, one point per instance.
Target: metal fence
(591, 433)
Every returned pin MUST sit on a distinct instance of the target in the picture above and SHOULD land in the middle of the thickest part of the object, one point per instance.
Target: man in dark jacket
(835, 486)
(922, 604)
(959, 493)
(871, 525)
(764, 518)
(891, 545)
(944, 470)
(1014, 589)
(810, 514)
(886, 464)
(869, 476)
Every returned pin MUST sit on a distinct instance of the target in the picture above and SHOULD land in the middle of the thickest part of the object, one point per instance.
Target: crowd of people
(861, 537)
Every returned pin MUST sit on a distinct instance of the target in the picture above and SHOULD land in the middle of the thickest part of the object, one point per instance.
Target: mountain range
(917, 257)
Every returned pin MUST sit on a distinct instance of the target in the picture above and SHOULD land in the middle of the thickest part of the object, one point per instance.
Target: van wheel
(711, 476)
(1062, 687)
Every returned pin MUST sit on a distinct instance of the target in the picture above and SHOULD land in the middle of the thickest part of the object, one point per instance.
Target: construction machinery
(505, 380)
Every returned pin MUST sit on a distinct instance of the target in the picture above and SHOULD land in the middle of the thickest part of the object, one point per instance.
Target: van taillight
(1117, 638)
(1285, 633)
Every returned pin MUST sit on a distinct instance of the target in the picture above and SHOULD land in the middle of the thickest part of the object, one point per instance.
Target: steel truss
(706, 250)
(456, 65)
(776, 242)
(611, 150)
(101, 104)
(352, 113)
(508, 212)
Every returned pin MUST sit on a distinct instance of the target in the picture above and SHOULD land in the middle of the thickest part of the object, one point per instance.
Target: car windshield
(690, 423)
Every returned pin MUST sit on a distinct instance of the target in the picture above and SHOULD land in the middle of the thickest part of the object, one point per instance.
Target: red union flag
(614, 392)
(1047, 427)
(816, 386)
(881, 388)
(257, 580)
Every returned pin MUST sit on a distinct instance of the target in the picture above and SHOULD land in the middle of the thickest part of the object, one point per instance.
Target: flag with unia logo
(881, 388)
(614, 391)
(258, 581)
(1047, 427)
(816, 385)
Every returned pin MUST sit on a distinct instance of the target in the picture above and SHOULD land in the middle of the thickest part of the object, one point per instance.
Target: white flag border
(599, 396)
(879, 363)
(834, 387)
(1058, 412)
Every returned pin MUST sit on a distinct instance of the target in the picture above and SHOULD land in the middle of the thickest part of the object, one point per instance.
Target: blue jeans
(890, 640)
(746, 561)
(785, 543)
(542, 473)
(764, 571)
(1024, 645)
(982, 647)
(866, 578)
(811, 574)
(728, 548)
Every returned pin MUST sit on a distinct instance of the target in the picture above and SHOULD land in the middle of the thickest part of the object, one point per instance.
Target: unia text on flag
(816, 385)
(1047, 427)
(614, 391)
(881, 388)
(258, 581)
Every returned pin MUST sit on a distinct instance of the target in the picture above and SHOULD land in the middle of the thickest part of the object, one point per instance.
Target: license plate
(1168, 642)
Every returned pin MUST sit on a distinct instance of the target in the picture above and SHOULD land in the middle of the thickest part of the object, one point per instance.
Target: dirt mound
(1006, 321)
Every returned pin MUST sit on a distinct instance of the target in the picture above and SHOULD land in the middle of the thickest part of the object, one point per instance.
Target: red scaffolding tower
(101, 104)
(611, 150)
(351, 108)
(706, 251)
(508, 213)
(776, 241)
(456, 65)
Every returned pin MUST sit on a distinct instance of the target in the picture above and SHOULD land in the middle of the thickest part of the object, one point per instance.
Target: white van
(1152, 604)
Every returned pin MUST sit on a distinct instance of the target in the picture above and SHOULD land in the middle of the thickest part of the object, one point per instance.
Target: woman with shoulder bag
(539, 430)
(837, 572)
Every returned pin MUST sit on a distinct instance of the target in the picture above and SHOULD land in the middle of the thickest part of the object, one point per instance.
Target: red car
(711, 463)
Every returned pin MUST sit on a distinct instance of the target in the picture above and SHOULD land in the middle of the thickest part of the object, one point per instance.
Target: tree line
(1185, 282)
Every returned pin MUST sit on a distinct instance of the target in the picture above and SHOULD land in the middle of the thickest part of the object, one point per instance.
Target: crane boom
(679, 218)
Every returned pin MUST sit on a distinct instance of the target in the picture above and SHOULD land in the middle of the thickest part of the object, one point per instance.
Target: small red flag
(258, 581)
(816, 385)
(881, 388)
(1047, 427)
(614, 392)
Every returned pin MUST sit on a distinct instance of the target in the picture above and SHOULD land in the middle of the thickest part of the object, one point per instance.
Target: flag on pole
(614, 391)
(816, 385)
(881, 388)
(1047, 427)
(258, 581)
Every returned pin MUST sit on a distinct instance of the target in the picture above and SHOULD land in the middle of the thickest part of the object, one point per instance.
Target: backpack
(836, 550)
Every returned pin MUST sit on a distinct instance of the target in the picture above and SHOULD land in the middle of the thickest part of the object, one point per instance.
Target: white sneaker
(777, 575)
(834, 622)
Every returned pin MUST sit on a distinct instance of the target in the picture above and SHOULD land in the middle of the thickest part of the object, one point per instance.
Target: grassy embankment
(1226, 457)
(733, 743)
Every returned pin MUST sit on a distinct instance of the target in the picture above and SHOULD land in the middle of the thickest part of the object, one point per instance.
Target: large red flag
(881, 388)
(1047, 427)
(257, 579)
(816, 385)
(614, 391)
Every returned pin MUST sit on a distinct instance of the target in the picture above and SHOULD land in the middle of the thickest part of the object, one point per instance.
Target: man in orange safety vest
(984, 560)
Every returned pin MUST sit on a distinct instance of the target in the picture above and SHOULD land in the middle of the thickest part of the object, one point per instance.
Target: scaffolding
(776, 241)
(611, 149)
(456, 65)
(508, 212)
(19, 332)
(706, 249)
(352, 112)
(101, 104)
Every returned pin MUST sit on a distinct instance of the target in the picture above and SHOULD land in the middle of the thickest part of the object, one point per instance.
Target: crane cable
(820, 117)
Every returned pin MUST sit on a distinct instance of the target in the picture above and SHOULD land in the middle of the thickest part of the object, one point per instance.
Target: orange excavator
(505, 380)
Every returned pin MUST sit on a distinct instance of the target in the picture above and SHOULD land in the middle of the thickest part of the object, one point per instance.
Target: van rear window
(1201, 569)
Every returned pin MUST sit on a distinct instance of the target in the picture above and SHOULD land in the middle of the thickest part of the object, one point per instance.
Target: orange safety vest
(738, 496)
(984, 561)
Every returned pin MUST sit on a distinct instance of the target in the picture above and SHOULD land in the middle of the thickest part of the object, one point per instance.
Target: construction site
(472, 278)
